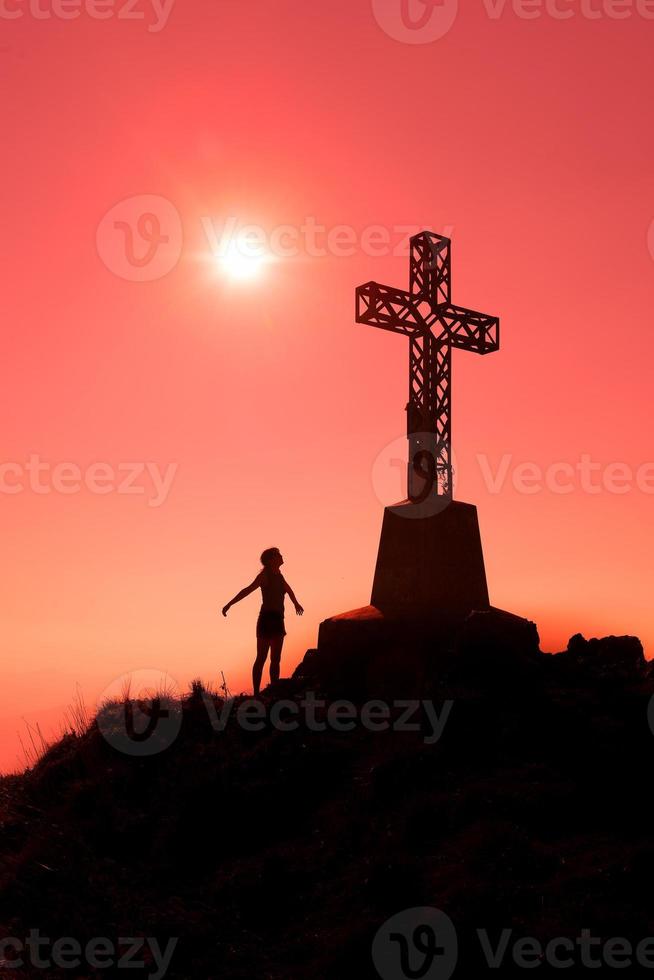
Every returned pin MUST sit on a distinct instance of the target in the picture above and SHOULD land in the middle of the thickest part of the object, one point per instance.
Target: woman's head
(271, 558)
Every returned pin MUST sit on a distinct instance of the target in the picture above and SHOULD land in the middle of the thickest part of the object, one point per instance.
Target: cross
(426, 315)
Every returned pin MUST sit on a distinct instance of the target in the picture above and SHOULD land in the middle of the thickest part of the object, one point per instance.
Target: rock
(610, 656)
(306, 667)
(496, 648)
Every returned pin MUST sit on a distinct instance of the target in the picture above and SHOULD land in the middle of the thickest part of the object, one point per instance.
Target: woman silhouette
(270, 624)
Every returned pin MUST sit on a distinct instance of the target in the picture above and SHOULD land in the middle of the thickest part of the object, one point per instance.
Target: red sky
(528, 140)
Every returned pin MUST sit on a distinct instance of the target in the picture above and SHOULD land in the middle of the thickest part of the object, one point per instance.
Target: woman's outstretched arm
(243, 593)
(298, 608)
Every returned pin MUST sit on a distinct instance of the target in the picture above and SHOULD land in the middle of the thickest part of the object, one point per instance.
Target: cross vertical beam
(426, 315)
(430, 273)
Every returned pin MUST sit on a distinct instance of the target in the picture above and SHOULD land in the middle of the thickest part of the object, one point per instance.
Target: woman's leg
(276, 645)
(263, 642)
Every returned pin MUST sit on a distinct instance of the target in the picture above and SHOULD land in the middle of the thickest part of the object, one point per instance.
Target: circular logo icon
(415, 21)
(420, 942)
(396, 484)
(140, 239)
(650, 714)
(140, 712)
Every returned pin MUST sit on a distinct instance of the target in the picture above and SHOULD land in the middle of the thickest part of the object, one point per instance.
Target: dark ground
(280, 854)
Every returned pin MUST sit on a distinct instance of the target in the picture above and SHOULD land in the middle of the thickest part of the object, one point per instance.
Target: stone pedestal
(430, 565)
(429, 577)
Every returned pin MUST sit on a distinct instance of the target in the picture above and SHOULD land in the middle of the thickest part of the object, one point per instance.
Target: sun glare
(240, 262)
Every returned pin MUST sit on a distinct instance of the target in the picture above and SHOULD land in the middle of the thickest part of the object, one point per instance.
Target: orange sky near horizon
(256, 411)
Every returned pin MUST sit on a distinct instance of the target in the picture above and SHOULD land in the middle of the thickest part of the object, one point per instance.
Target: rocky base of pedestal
(363, 653)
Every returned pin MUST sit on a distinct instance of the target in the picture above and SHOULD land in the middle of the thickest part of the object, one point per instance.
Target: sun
(240, 261)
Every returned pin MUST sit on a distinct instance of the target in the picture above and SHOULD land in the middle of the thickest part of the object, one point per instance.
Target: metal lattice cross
(426, 315)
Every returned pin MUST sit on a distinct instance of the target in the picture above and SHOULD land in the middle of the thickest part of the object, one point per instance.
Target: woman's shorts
(270, 624)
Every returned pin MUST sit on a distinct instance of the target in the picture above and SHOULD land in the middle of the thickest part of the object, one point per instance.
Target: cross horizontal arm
(469, 330)
(388, 308)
